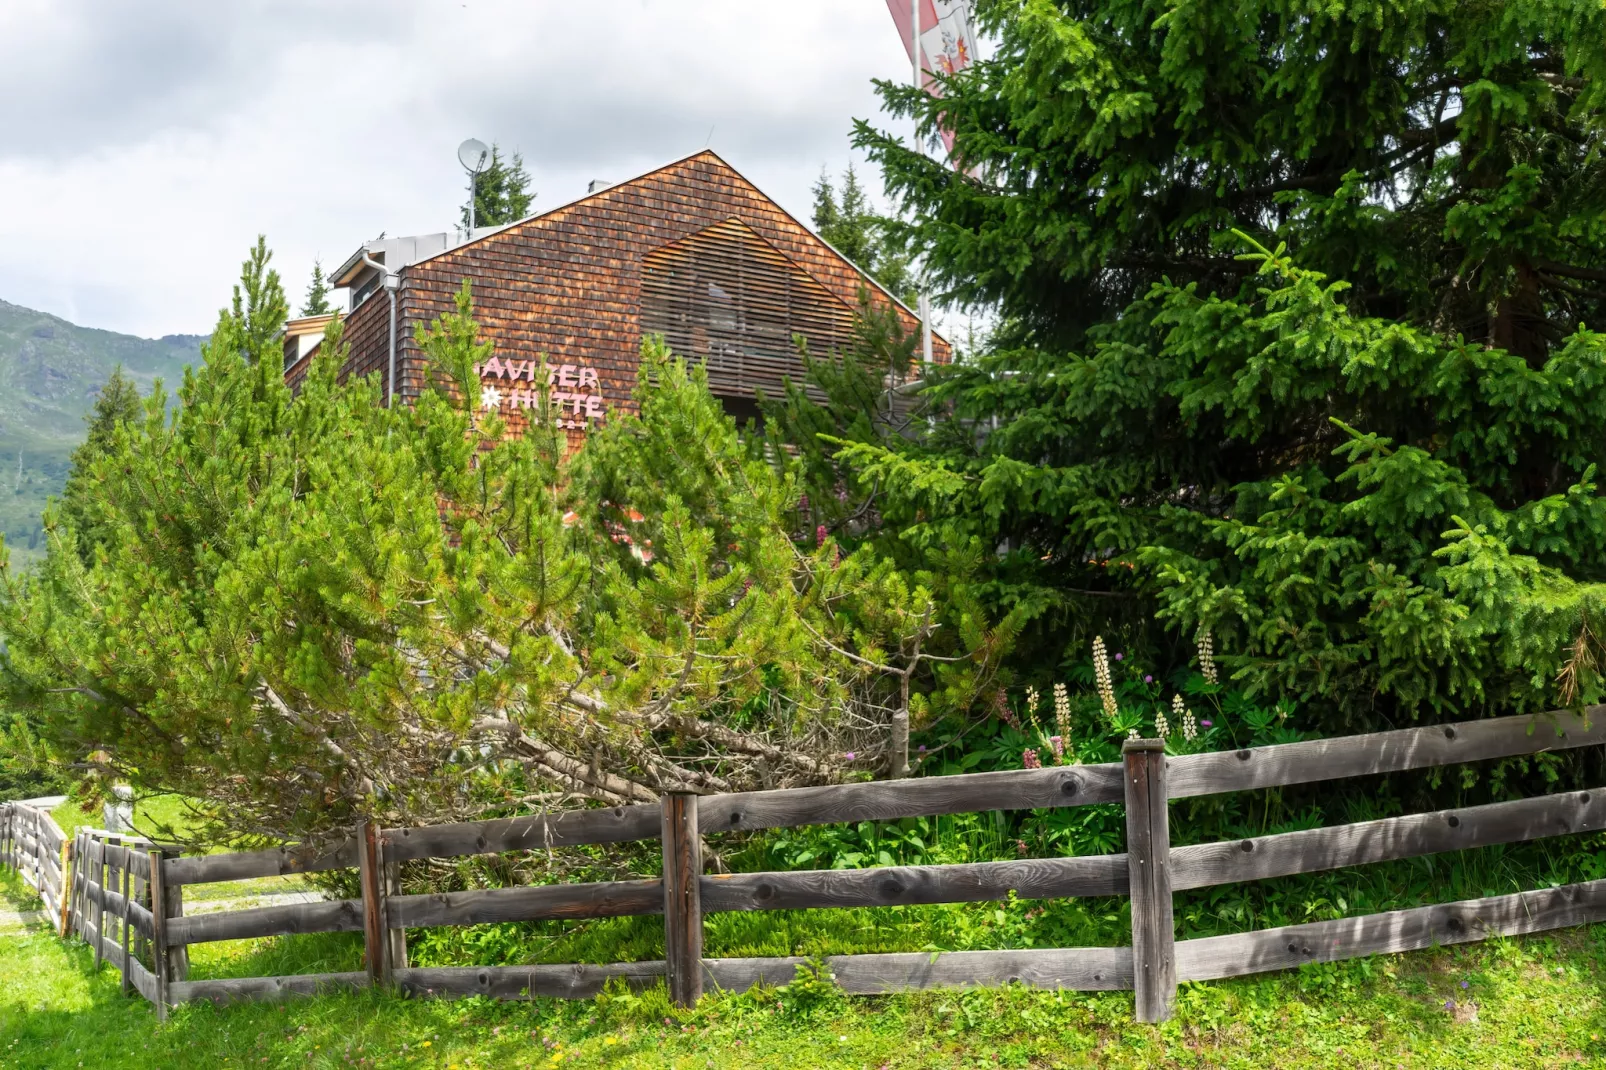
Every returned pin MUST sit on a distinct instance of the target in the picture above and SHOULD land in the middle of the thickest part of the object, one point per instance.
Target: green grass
(153, 815)
(1535, 1002)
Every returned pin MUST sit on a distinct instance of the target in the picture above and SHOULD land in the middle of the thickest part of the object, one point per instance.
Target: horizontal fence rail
(124, 895)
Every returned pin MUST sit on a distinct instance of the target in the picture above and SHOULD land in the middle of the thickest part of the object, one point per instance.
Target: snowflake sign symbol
(490, 398)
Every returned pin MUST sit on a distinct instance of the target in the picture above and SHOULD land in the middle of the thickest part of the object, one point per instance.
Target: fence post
(395, 939)
(1148, 854)
(159, 959)
(38, 852)
(127, 884)
(373, 903)
(683, 905)
(100, 900)
(69, 888)
(178, 956)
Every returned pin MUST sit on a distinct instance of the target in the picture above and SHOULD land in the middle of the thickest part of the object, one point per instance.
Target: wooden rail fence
(124, 895)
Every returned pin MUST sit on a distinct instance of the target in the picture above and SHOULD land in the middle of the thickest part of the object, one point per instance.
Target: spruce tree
(847, 221)
(501, 192)
(1298, 343)
(317, 301)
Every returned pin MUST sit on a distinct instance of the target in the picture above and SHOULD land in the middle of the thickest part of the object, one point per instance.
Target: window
(728, 298)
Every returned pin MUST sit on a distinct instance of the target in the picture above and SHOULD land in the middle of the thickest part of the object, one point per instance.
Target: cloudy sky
(144, 145)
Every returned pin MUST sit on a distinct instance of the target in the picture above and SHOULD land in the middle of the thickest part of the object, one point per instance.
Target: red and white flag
(947, 41)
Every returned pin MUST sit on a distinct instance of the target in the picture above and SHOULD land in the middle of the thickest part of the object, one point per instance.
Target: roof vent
(597, 185)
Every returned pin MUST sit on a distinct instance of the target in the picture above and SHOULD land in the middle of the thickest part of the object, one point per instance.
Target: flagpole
(914, 62)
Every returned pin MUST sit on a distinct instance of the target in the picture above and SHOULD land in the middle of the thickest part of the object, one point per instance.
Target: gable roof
(422, 249)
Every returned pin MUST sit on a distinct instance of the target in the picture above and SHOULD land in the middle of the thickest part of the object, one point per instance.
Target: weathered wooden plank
(373, 902)
(125, 908)
(577, 981)
(159, 935)
(886, 800)
(142, 920)
(1027, 878)
(1215, 957)
(1080, 969)
(485, 906)
(396, 937)
(682, 899)
(143, 981)
(139, 865)
(171, 906)
(1311, 850)
(281, 861)
(1383, 752)
(1148, 839)
(333, 916)
(50, 832)
(535, 832)
(258, 989)
(112, 953)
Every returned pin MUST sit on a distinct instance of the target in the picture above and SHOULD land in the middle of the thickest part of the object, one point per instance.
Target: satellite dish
(473, 155)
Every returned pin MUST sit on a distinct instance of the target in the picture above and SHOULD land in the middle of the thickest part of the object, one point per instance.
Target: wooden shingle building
(692, 251)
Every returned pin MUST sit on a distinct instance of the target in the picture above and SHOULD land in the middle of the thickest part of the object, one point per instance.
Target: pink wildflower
(1029, 759)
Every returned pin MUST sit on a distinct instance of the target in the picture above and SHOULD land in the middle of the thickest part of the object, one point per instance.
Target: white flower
(1101, 676)
(1207, 655)
(1031, 700)
(490, 398)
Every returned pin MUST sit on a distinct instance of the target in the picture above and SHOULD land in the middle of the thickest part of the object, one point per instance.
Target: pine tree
(1298, 344)
(317, 302)
(501, 192)
(76, 515)
(308, 608)
(259, 309)
(854, 230)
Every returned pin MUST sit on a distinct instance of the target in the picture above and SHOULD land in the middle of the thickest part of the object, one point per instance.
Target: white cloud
(148, 143)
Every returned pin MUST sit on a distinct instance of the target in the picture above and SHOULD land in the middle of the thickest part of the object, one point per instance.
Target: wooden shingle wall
(568, 284)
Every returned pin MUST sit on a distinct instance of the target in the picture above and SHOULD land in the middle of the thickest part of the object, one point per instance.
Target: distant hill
(50, 372)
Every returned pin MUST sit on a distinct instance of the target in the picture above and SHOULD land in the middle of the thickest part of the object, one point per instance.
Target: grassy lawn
(1535, 1002)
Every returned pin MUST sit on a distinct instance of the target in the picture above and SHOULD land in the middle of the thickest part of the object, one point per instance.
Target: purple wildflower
(1449, 1004)
(1207, 724)
(922, 748)
(1057, 745)
(1119, 655)
(1029, 759)
(1466, 984)
(819, 535)
(1148, 679)
(849, 756)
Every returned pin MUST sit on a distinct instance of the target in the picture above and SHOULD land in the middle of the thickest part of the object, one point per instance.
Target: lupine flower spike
(1031, 701)
(1190, 728)
(1162, 727)
(1101, 676)
(1029, 759)
(1057, 745)
(1207, 655)
(1062, 710)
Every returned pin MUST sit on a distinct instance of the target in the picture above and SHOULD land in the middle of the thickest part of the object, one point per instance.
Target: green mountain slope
(50, 372)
